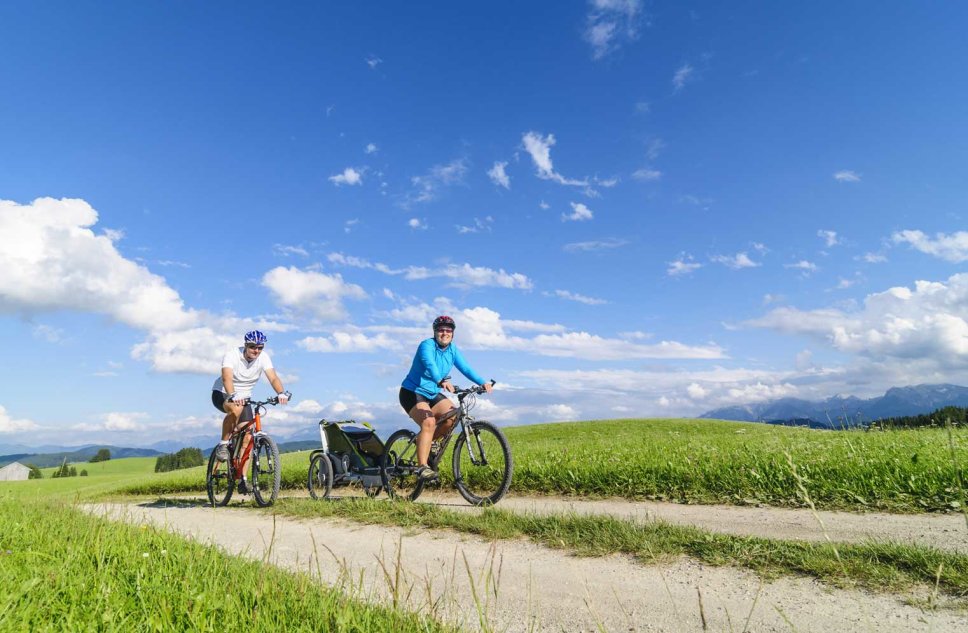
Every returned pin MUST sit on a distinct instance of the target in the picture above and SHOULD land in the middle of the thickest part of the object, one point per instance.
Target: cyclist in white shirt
(241, 369)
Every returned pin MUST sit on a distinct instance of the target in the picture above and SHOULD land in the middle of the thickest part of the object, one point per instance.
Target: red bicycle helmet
(444, 321)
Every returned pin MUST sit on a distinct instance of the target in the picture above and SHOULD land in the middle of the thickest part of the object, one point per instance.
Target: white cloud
(540, 150)
(52, 260)
(845, 175)
(417, 224)
(571, 296)
(682, 266)
(682, 76)
(284, 250)
(481, 328)
(461, 275)
(544, 205)
(499, 176)
(760, 248)
(654, 148)
(428, 186)
(479, 226)
(952, 248)
(927, 323)
(580, 213)
(736, 262)
(370, 148)
(312, 292)
(559, 413)
(48, 333)
(595, 245)
(874, 258)
(643, 107)
(646, 174)
(350, 176)
(349, 225)
(804, 265)
(610, 23)
(829, 237)
(10, 425)
(373, 61)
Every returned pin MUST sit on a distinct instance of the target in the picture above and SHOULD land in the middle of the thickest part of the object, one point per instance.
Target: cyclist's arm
(274, 380)
(227, 381)
(465, 369)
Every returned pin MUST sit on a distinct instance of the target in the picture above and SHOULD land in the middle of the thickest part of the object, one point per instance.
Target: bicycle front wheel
(320, 476)
(482, 464)
(266, 470)
(219, 480)
(398, 466)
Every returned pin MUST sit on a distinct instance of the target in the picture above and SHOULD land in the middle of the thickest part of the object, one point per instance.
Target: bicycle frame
(463, 418)
(240, 457)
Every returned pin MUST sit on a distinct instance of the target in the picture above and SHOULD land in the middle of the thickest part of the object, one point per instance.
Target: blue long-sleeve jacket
(431, 364)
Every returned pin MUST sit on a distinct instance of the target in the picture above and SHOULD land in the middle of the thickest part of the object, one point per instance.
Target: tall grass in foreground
(708, 461)
(64, 570)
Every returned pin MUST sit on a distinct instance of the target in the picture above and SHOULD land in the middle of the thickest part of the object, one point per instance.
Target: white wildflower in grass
(144, 554)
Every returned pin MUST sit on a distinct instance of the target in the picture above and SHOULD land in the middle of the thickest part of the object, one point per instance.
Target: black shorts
(409, 399)
(218, 399)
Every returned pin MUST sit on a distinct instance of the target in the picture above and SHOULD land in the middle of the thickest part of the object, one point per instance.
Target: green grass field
(707, 461)
(64, 570)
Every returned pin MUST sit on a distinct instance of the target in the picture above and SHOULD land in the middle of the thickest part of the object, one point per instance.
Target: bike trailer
(356, 440)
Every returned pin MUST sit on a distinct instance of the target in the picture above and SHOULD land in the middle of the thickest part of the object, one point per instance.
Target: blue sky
(631, 208)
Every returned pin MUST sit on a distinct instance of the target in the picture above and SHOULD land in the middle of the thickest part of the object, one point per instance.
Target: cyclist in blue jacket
(420, 393)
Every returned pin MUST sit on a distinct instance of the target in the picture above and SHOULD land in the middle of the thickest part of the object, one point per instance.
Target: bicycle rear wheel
(398, 467)
(483, 465)
(320, 476)
(219, 480)
(266, 470)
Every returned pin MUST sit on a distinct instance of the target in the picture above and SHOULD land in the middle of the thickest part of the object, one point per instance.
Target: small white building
(14, 472)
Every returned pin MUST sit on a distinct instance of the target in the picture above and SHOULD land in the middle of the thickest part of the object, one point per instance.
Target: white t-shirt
(244, 373)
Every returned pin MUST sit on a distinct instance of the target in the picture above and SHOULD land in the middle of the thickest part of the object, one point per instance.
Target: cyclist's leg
(441, 408)
(232, 412)
(424, 417)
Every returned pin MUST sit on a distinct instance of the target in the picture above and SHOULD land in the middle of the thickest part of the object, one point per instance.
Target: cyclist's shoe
(222, 452)
(242, 487)
(435, 447)
(426, 473)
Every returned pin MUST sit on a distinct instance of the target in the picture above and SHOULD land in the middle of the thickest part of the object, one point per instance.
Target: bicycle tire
(486, 481)
(219, 480)
(320, 480)
(266, 471)
(398, 466)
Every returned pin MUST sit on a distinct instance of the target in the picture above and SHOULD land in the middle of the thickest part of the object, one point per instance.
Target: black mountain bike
(481, 461)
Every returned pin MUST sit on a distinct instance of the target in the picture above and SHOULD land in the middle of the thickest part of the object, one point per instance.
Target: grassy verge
(709, 461)
(64, 570)
(880, 567)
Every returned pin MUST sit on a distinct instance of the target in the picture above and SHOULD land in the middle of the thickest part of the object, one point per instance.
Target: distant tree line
(958, 416)
(185, 458)
(64, 470)
(34, 472)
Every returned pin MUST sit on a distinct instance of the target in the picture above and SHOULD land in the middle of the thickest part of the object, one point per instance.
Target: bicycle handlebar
(477, 389)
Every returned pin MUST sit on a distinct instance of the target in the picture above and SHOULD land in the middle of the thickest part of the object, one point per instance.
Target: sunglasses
(258, 347)
(444, 330)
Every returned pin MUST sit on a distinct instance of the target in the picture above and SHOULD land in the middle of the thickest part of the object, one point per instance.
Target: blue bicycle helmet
(255, 337)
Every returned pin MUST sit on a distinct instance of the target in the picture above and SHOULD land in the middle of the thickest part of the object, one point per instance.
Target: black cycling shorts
(409, 399)
(218, 399)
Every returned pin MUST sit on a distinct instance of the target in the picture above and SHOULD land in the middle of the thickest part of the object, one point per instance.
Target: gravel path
(943, 531)
(523, 587)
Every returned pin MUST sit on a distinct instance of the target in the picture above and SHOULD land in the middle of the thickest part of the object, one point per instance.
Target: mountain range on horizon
(848, 411)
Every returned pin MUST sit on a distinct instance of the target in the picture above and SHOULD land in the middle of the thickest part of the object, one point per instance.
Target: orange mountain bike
(248, 439)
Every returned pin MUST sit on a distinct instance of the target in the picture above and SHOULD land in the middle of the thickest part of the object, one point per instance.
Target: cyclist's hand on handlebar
(447, 385)
(283, 397)
(237, 398)
(488, 386)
